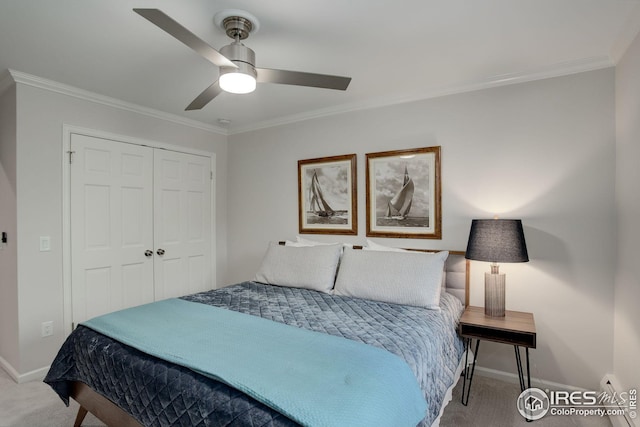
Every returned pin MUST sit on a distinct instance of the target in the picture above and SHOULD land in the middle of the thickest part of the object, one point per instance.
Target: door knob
(148, 253)
(160, 252)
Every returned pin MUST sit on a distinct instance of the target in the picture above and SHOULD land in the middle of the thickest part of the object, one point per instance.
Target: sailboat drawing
(400, 205)
(317, 202)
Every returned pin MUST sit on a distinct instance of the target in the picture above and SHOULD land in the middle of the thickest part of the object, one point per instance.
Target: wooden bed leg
(80, 417)
(101, 407)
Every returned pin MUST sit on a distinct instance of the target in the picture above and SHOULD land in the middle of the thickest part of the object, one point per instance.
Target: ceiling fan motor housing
(242, 56)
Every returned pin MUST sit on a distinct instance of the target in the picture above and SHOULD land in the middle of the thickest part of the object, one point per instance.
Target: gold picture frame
(327, 195)
(404, 193)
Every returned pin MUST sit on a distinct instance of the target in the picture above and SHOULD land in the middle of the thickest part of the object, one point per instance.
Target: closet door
(182, 218)
(111, 226)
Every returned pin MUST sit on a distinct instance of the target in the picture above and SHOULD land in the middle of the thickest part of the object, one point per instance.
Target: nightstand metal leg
(520, 370)
(528, 371)
(519, 365)
(466, 389)
(523, 385)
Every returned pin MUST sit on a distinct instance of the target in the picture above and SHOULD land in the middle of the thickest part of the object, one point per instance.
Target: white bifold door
(182, 225)
(140, 225)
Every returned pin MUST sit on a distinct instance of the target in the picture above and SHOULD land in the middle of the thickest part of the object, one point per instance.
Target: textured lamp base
(494, 294)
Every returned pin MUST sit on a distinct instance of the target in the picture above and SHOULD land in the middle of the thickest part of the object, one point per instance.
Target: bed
(126, 385)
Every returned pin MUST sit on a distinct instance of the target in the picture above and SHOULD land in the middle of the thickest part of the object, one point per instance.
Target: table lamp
(494, 241)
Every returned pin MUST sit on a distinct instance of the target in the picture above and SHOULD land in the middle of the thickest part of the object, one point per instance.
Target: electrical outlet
(47, 329)
(45, 243)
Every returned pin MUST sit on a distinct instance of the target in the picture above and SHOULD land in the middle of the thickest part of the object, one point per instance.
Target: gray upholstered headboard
(457, 279)
(456, 269)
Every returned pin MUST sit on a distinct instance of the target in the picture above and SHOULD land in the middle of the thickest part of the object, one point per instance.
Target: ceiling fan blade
(166, 23)
(205, 97)
(268, 75)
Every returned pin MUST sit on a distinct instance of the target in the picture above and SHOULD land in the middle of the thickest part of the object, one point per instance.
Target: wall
(41, 115)
(627, 289)
(8, 252)
(542, 151)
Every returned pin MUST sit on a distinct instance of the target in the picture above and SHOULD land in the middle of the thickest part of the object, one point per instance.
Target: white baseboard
(9, 369)
(611, 385)
(35, 375)
(513, 378)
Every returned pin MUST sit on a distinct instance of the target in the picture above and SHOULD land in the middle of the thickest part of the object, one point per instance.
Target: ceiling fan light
(237, 83)
(237, 80)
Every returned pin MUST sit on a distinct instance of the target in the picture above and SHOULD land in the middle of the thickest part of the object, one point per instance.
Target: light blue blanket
(313, 378)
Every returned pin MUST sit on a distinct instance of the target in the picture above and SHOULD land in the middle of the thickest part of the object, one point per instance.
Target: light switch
(45, 243)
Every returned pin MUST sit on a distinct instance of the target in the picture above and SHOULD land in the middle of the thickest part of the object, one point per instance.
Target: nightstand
(516, 328)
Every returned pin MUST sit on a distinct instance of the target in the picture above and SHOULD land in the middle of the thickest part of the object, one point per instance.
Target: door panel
(111, 226)
(182, 198)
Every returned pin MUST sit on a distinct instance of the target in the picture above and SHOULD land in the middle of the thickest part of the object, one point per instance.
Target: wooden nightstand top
(516, 327)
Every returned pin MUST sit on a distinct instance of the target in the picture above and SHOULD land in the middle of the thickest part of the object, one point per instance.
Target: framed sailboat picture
(327, 195)
(403, 194)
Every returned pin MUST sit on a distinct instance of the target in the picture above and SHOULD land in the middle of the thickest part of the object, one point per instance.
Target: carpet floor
(492, 403)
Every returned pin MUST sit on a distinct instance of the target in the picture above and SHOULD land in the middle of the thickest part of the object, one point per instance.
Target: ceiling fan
(238, 73)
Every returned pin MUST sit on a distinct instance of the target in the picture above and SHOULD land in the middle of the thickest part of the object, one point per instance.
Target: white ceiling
(394, 50)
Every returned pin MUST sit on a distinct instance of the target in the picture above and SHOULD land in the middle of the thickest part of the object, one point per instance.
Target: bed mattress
(158, 393)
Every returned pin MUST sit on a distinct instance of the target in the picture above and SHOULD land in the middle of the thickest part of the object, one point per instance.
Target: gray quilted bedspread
(158, 393)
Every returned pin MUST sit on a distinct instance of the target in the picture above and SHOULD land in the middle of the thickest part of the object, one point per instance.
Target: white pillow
(309, 267)
(306, 242)
(373, 246)
(410, 278)
(301, 242)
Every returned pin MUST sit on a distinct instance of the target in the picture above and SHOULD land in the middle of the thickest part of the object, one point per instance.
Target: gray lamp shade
(497, 240)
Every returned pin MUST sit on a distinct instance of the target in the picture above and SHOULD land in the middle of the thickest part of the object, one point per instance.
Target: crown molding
(554, 70)
(627, 35)
(52, 86)
(5, 81)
